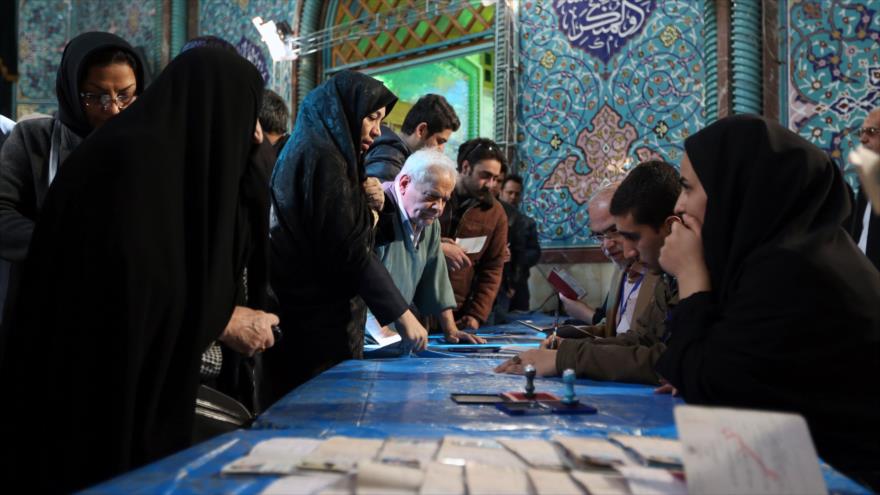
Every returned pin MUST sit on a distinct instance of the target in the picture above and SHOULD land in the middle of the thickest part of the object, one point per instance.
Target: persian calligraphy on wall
(603, 85)
(833, 77)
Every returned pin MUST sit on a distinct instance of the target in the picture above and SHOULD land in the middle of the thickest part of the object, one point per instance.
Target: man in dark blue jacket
(428, 124)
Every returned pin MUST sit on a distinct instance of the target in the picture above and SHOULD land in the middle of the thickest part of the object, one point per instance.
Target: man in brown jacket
(643, 209)
(474, 232)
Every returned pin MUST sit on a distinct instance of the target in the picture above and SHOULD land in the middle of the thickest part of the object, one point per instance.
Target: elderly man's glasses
(609, 233)
(870, 131)
(104, 100)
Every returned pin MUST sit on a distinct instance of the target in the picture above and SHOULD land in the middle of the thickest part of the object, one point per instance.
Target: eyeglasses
(870, 131)
(122, 100)
(609, 233)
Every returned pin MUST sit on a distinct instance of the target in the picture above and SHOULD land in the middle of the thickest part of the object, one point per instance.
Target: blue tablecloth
(406, 397)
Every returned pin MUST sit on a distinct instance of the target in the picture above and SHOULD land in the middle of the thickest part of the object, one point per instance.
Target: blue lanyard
(625, 302)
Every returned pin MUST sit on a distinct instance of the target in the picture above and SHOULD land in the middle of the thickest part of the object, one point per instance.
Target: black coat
(323, 266)
(386, 156)
(132, 272)
(792, 320)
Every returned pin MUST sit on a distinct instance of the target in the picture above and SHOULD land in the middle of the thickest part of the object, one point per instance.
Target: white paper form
(601, 484)
(536, 452)
(305, 484)
(459, 451)
(495, 480)
(738, 451)
(375, 478)
(652, 449)
(652, 481)
(383, 335)
(341, 453)
(550, 482)
(471, 245)
(273, 456)
(410, 452)
(594, 451)
(443, 479)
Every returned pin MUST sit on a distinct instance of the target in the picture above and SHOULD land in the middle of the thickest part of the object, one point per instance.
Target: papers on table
(652, 450)
(536, 452)
(341, 453)
(735, 451)
(460, 451)
(471, 245)
(595, 452)
(383, 336)
(274, 456)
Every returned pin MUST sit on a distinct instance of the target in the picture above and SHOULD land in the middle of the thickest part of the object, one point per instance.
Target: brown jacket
(476, 286)
(608, 326)
(629, 357)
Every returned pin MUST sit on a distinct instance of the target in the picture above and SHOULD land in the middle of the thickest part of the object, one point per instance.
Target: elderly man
(866, 223)
(410, 237)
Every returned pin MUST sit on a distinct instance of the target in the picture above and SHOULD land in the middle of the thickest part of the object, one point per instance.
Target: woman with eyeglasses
(99, 76)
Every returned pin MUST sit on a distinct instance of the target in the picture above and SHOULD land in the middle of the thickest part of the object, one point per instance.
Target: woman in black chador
(133, 270)
(779, 309)
(321, 236)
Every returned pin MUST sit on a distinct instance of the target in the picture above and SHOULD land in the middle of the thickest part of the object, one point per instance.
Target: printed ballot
(471, 245)
(867, 165)
(565, 284)
(737, 451)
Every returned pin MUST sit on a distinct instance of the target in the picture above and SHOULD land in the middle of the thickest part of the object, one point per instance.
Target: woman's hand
(543, 360)
(413, 333)
(249, 331)
(682, 257)
(375, 194)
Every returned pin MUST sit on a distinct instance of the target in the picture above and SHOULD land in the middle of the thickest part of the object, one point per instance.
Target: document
(596, 452)
(341, 453)
(376, 478)
(383, 336)
(471, 245)
(739, 451)
(303, 484)
(273, 456)
(495, 480)
(536, 452)
(652, 481)
(566, 284)
(459, 451)
(652, 450)
(867, 165)
(443, 479)
(551, 482)
(601, 484)
(410, 452)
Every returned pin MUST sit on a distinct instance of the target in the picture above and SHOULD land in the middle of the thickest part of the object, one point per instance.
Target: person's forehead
(512, 186)
(873, 119)
(627, 223)
(489, 165)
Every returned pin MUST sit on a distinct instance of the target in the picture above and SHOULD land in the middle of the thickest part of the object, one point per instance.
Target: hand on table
(412, 332)
(666, 388)
(468, 321)
(543, 360)
(551, 342)
(375, 195)
(456, 336)
(456, 258)
(249, 331)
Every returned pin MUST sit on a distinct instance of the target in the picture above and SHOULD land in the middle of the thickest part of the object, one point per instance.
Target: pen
(556, 322)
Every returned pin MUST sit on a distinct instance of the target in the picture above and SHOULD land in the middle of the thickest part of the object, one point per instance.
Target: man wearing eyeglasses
(474, 232)
(866, 223)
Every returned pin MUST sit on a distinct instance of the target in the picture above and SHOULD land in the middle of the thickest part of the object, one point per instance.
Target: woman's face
(692, 200)
(106, 91)
(370, 128)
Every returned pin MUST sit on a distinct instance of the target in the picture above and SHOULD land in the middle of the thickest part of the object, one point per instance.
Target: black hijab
(316, 185)
(133, 270)
(72, 69)
(792, 320)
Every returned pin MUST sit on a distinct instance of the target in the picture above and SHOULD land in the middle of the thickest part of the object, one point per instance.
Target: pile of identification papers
(724, 451)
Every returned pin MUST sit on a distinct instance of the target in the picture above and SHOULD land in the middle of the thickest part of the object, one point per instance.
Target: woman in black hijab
(133, 270)
(779, 309)
(100, 75)
(323, 268)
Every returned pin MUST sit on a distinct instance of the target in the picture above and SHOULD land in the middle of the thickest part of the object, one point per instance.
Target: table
(407, 397)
